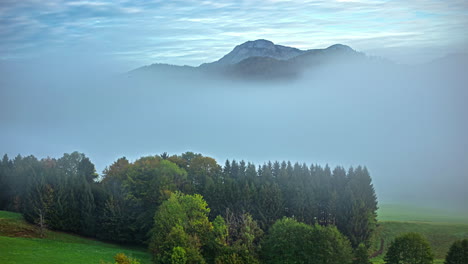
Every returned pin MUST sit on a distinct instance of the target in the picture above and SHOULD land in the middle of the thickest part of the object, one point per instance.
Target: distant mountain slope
(262, 59)
(273, 68)
(259, 48)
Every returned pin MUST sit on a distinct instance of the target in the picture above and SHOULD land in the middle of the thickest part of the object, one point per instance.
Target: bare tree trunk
(41, 223)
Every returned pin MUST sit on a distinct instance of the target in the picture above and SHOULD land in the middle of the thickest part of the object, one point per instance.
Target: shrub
(410, 248)
(121, 258)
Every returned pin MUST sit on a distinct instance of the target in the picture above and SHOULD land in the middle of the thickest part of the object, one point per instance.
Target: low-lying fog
(407, 124)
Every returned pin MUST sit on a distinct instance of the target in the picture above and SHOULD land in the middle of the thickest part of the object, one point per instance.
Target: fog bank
(408, 125)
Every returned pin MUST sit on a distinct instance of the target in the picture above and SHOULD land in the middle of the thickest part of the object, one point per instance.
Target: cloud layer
(191, 32)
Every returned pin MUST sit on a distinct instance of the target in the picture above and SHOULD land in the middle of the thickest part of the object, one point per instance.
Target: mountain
(259, 48)
(262, 59)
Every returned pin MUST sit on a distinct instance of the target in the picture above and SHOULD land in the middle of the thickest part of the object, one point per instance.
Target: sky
(128, 34)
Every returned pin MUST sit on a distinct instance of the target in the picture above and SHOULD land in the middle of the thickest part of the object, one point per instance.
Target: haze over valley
(260, 102)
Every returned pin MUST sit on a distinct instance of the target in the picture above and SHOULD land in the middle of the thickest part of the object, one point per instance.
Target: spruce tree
(458, 253)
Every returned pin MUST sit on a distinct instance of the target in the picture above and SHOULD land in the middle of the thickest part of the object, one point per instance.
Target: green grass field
(440, 228)
(20, 243)
(407, 213)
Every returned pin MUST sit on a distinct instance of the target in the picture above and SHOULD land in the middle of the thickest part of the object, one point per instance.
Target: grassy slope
(439, 227)
(20, 243)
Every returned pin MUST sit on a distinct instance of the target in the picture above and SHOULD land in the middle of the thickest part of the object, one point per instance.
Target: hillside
(20, 242)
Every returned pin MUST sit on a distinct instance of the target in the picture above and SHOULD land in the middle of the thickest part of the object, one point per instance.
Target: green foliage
(202, 173)
(149, 181)
(6, 190)
(359, 203)
(53, 193)
(269, 204)
(134, 190)
(361, 255)
(230, 258)
(458, 253)
(331, 246)
(289, 241)
(242, 239)
(181, 221)
(121, 258)
(410, 248)
(220, 231)
(178, 255)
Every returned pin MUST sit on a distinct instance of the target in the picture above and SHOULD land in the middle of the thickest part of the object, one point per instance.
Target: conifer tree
(458, 252)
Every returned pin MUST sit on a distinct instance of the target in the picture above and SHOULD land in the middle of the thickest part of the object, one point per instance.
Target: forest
(191, 209)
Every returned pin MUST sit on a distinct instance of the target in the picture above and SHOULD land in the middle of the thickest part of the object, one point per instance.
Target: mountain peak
(340, 47)
(259, 48)
(259, 44)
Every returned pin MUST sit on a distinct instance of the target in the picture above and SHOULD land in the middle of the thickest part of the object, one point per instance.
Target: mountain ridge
(261, 59)
(259, 48)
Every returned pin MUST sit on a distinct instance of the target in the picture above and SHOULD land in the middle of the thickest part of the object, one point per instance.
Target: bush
(289, 241)
(121, 258)
(410, 248)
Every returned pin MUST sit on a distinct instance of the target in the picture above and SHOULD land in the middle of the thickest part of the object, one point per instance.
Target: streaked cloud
(192, 32)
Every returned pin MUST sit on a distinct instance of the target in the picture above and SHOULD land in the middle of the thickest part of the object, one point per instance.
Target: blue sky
(136, 33)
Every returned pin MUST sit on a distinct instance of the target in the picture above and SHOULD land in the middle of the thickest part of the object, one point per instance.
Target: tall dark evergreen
(458, 252)
(6, 191)
(359, 216)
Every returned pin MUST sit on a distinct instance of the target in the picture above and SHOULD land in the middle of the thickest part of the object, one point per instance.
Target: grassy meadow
(20, 242)
(440, 228)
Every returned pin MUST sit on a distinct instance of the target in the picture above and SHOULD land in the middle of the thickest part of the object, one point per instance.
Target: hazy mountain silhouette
(263, 60)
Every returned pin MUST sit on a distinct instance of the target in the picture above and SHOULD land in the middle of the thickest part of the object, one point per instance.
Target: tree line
(243, 200)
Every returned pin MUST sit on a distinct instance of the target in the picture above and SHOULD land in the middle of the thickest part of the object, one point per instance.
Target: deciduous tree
(410, 248)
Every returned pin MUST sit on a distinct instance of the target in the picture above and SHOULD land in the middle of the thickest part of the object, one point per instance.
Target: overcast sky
(135, 33)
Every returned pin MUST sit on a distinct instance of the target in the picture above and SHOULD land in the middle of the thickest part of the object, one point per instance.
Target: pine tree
(359, 216)
(458, 253)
